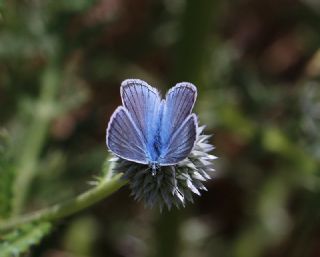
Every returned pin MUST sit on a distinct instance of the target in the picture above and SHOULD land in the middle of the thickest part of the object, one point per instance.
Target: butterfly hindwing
(181, 142)
(124, 138)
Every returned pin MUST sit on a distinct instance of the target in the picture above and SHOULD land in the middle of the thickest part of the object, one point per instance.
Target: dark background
(256, 65)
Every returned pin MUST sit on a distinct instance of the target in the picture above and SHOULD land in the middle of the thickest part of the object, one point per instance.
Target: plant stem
(35, 137)
(58, 211)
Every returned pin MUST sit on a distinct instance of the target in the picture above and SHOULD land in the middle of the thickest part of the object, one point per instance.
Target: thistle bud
(170, 185)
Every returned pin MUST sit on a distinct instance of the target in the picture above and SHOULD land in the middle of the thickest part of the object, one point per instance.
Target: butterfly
(150, 130)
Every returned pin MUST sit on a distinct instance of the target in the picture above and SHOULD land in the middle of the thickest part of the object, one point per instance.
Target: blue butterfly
(153, 131)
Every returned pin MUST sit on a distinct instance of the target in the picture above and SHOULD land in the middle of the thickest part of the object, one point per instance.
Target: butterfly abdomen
(156, 144)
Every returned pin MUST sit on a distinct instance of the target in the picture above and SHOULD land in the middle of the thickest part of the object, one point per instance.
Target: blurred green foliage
(257, 67)
(19, 241)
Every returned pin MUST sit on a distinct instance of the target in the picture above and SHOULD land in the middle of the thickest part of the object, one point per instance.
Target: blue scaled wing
(124, 138)
(178, 126)
(143, 102)
(181, 142)
(178, 106)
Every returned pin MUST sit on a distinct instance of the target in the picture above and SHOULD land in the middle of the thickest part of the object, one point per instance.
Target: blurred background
(256, 65)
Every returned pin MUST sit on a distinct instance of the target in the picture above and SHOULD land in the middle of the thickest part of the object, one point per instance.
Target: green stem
(58, 211)
(35, 137)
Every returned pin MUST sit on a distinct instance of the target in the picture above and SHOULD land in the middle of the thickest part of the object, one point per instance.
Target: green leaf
(19, 241)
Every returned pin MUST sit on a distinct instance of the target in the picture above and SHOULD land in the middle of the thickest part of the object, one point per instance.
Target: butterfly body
(153, 131)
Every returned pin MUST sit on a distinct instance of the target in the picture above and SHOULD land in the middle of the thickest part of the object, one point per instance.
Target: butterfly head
(154, 166)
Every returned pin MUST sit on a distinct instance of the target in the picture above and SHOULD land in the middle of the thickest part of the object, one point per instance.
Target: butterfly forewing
(124, 138)
(143, 103)
(181, 142)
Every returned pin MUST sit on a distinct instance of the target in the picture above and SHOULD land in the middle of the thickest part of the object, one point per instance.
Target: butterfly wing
(143, 102)
(178, 106)
(148, 129)
(124, 138)
(181, 142)
(178, 126)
